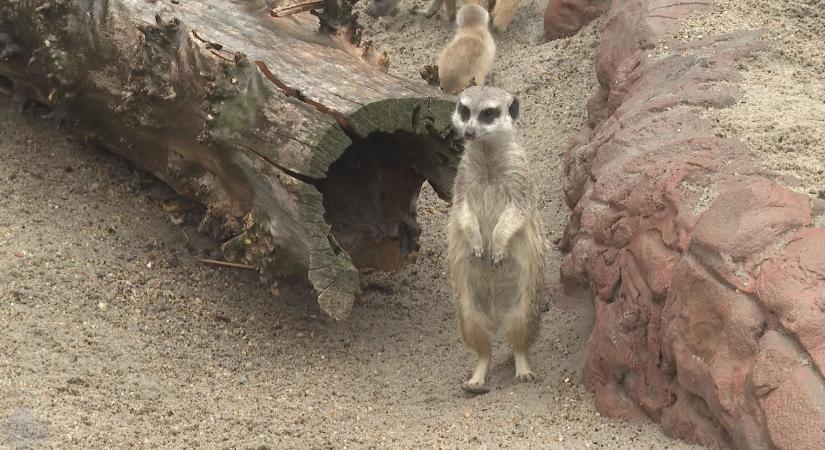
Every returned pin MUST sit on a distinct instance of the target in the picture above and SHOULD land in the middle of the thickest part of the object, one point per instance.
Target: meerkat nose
(469, 135)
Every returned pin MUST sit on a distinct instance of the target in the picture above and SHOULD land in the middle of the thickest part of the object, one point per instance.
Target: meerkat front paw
(478, 254)
(497, 260)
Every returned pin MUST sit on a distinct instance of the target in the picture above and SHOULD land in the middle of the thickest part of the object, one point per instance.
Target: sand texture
(115, 336)
(781, 114)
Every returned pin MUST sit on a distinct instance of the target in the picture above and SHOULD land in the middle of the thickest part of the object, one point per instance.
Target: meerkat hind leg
(434, 7)
(520, 331)
(477, 384)
(450, 9)
(478, 339)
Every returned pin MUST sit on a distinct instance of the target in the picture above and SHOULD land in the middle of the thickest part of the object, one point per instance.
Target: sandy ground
(114, 336)
(781, 116)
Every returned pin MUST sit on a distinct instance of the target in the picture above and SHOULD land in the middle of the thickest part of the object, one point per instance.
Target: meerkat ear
(514, 108)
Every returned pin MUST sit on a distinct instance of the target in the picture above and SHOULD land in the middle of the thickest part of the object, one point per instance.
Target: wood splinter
(285, 11)
(225, 263)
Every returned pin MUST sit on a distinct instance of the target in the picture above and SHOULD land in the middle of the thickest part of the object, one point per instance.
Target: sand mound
(782, 112)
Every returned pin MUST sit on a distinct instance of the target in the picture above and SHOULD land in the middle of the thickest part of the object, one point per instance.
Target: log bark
(308, 156)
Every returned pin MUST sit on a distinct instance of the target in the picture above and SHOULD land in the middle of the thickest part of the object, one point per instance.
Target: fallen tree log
(308, 156)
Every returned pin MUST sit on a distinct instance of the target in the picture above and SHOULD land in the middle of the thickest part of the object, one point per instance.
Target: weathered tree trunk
(308, 157)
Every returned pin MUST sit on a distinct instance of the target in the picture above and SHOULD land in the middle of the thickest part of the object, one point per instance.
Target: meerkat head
(484, 113)
(472, 16)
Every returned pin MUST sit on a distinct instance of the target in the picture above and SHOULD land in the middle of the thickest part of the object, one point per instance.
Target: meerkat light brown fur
(470, 54)
(496, 239)
(503, 14)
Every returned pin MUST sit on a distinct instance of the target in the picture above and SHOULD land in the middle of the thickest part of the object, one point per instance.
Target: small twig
(186, 235)
(225, 263)
(213, 47)
(295, 9)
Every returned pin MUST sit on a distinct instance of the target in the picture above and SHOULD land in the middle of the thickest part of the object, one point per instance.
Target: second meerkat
(502, 11)
(496, 239)
(470, 54)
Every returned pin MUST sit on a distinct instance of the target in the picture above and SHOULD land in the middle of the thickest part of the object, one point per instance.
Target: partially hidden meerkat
(470, 54)
(496, 241)
(449, 6)
(501, 10)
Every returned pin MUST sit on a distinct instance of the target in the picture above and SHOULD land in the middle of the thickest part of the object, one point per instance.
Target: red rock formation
(708, 278)
(564, 18)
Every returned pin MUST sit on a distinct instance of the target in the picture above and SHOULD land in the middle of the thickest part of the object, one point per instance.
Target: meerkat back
(468, 57)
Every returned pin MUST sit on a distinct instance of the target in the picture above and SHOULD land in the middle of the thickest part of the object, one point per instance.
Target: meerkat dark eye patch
(464, 112)
(488, 115)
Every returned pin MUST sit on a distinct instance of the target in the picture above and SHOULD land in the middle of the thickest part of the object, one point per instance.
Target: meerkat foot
(477, 383)
(526, 377)
(475, 388)
(523, 372)
(431, 12)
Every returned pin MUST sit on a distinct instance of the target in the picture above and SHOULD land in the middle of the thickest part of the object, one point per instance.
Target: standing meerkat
(470, 54)
(496, 239)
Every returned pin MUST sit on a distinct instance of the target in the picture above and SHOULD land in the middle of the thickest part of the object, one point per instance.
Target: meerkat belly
(496, 289)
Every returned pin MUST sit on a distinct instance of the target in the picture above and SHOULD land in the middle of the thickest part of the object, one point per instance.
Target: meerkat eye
(488, 115)
(464, 112)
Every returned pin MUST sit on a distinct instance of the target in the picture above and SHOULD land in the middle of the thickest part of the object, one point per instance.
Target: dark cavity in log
(370, 196)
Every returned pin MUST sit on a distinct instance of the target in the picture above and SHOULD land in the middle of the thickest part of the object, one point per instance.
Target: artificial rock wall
(708, 277)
